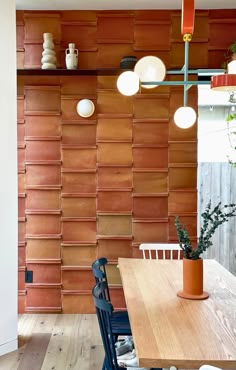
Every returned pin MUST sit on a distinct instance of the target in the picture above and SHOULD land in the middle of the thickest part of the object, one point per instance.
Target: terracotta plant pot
(193, 280)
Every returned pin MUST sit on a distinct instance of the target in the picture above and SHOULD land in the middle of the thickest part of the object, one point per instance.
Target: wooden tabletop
(168, 330)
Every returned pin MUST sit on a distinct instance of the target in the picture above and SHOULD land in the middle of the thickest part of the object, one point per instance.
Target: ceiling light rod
(185, 72)
(171, 83)
(195, 71)
(185, 68)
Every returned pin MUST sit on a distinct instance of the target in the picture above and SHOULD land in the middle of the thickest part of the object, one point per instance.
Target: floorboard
(35, 352)
(56, 342)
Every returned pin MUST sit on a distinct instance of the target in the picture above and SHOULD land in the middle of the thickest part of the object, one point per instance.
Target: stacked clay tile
(49, 59)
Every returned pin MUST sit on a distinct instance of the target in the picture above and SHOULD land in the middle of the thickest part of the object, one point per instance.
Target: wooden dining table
(172, 331)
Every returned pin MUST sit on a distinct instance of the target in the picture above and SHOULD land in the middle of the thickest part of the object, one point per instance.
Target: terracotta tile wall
(101, 186)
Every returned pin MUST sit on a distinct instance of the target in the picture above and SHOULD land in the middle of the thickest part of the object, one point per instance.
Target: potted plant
(192, 261)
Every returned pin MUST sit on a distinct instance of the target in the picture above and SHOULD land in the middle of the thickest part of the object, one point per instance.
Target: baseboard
(8, 347)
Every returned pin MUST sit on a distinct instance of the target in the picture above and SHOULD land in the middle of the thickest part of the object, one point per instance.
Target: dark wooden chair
(119, 319)
(104, 311)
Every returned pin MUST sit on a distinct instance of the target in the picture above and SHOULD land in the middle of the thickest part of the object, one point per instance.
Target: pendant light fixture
(150, 71)
(226, 81)
(185, 116)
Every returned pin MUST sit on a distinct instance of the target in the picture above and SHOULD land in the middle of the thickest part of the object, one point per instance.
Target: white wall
(216, 142)
(8, 179)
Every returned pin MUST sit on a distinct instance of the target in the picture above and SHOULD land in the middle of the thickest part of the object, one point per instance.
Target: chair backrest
(104, 310)
(168, 251)
(99, 273)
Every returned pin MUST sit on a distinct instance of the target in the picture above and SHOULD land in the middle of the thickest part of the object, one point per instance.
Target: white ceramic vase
(49, 60)
(71, 57)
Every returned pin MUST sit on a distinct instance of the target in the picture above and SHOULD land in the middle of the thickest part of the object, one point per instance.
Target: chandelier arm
(186, 53)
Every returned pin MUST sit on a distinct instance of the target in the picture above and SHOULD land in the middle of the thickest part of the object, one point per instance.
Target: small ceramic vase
(192, 280)
(49, 59)
(71, 57)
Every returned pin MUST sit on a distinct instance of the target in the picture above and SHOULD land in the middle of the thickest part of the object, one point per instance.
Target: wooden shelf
(96, 72)
(70, 72)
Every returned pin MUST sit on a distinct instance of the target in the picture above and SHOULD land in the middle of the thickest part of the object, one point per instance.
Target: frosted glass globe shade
(150, 69)
(128, 83)
(185, 117)
(232, 67)
(85, 108)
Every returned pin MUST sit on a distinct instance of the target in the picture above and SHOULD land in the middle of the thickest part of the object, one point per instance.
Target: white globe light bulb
(150, 69)
(128, 83)
(185, 117)
(85, 108)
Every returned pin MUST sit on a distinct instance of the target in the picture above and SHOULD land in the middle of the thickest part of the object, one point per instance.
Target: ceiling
(119, 4)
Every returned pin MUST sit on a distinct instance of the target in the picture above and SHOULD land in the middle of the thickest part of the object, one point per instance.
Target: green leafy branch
(229, 118)
(212, 219)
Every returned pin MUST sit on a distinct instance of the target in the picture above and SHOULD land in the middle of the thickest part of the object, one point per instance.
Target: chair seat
(120, 323)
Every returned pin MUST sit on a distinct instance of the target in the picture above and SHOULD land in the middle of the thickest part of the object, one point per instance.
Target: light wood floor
(56, 342)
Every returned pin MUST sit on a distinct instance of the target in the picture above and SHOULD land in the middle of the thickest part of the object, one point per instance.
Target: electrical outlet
(28, 276)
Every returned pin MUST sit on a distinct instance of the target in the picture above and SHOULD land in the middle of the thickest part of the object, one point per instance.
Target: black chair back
(119, 319)
(100, 275)
(104, 311)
